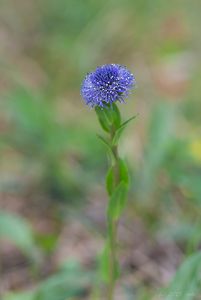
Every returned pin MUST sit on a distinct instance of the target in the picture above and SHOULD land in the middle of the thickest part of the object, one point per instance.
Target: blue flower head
(107, 84)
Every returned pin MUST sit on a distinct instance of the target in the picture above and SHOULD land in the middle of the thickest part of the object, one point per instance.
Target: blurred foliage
(18, 230)
(186, 284)
(69, 282)
(49, 150)
(48, 144)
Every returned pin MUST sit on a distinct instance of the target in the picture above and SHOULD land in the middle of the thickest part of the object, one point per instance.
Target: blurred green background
(52, 166)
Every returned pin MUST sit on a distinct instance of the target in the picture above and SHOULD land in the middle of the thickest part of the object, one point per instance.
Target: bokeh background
(52, 166)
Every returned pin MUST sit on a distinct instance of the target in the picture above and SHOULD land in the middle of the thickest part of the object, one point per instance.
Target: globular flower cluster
(107, 84)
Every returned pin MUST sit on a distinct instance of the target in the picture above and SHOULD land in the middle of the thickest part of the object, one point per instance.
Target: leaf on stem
(103, 118)
(120, 130)
(115, 115)
(109, 117)
(124, 174)
(105, 270)
(106, 143)
(110, 181)
(117, 195)
(117, 201)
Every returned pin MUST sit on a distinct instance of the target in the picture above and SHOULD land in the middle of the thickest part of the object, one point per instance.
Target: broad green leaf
(120, 130)
(117, 201)
(18, 231)
(187, 282)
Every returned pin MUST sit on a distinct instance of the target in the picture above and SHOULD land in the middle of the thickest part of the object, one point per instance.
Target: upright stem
(112, 243)
(112, 225)
(117, 182)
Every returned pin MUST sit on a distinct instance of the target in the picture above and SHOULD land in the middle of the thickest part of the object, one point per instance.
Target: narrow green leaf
(117, 201)
(129, 120)
(105, 271)
(124, 175)
(109, 117)
(110, 227)
(106, 143)
(116, 115)
(104, 264)
(110, 181)
(103, 119)
(120, 130)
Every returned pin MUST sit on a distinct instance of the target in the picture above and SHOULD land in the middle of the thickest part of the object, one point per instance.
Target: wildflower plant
(101, 90)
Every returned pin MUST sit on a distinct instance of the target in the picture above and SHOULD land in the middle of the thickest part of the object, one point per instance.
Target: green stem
(117, 182)
(112, 280)
(112, 224)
